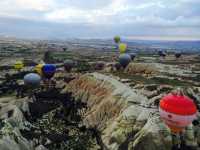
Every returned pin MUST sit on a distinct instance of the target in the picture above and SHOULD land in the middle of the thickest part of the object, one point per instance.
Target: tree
(48, 58)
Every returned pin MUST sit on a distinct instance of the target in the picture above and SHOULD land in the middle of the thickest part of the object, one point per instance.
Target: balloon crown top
(178, 103)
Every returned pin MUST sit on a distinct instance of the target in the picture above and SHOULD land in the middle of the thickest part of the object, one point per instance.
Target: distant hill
(184, 46)
(140, 45)
(173, 45)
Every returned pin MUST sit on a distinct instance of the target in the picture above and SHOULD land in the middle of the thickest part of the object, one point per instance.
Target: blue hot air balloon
(32, 79)
(48, 70)
(124, 60)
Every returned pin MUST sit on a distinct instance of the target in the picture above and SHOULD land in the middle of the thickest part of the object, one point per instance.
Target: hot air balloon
(19, 65)
(122, 47)
(99, 65)
(161, 53)
(48, 70)
(38, 69)
(178, 54)
(124, 60)
(117, 66)
(177, 111)
(32, 79)
(117, 39)
(68, 65)
(133, 55)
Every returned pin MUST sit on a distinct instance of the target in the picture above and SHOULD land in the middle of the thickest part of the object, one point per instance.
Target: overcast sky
(140, 19)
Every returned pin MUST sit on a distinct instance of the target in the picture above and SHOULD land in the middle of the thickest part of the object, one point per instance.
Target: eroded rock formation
(122, 115)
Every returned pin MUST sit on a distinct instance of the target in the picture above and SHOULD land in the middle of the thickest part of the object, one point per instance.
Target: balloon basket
(48, 84)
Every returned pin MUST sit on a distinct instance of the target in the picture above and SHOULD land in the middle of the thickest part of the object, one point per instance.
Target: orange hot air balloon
(177, 111)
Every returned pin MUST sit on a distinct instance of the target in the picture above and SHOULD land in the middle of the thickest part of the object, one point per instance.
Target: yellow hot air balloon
(38, 68)
(122, 47)
(19, 65)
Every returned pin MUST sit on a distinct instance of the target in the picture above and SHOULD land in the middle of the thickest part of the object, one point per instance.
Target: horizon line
(139, 38)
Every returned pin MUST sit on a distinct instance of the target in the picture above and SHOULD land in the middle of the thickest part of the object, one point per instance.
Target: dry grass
(102, 106)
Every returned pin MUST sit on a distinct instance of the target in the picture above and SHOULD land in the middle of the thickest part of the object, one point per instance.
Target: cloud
(106, 11)
(163, 16)
(100, 15)
(34, 5)
(153, 13)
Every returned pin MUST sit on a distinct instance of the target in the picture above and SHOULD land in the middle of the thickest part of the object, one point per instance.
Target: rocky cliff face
(13, 121)
(141, 69)
(122, 115)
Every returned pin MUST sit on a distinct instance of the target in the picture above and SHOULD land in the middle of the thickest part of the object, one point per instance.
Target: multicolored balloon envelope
(32, 79)
(48, 70)
(177, 111)
(19, 65)
(124, 60)
(122, 48)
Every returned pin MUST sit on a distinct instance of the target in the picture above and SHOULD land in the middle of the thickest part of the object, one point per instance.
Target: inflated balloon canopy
(117, 39)
(133, 55)
(118, 66)
(48, 70)
(38, 69)
(122, 47)
(32, 79)
(124, 60)
(178, 54)
(161, 53)
(99, 66)
(19, 65)
(177, 111)
(68, 65)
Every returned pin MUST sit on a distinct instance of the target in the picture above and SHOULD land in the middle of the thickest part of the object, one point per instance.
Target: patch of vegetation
(57, 123)
(64, 135)
(62, 55)
(154, 80)
(48, 57)
(195, 79)
(83, 66)
(173, 82)
(172, 62)
(134, 78)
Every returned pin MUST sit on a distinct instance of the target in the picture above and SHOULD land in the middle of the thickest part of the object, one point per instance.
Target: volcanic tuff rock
(141, 68)
(13, 122)
(124, 117)
(120, 114)
(150, 69)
